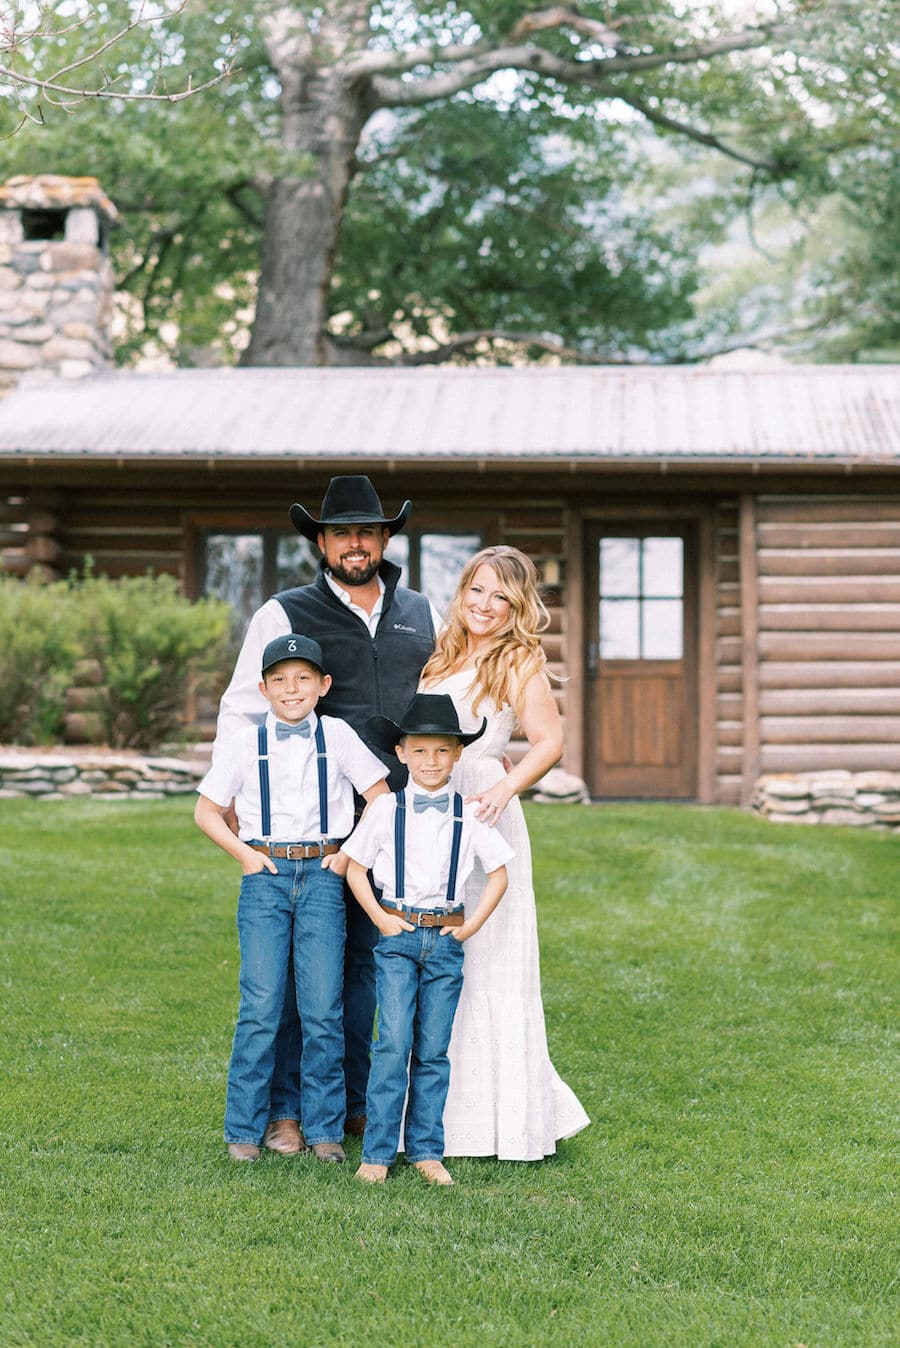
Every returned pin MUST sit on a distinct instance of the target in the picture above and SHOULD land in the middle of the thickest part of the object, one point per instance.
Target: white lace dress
(506, 1098)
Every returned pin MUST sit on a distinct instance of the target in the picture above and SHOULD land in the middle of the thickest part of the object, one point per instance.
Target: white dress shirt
(242, 701)
(293, 780)
(429, 839)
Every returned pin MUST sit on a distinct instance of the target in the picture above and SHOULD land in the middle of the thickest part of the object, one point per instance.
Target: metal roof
(535, 414)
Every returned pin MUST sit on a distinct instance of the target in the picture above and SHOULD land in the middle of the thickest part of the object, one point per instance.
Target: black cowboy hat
(427, 714)
(348, 500)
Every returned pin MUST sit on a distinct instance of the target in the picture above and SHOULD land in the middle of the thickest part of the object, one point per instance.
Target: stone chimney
(56, 282)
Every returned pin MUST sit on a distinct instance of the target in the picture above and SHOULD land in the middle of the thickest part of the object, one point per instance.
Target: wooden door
(641, 665)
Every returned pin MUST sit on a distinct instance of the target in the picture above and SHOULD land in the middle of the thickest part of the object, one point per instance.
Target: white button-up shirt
(293, 780)
(429, 839)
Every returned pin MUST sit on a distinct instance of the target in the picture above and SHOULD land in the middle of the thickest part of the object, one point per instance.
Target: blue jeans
(359, 1018)
(297, 913)
(418, 976)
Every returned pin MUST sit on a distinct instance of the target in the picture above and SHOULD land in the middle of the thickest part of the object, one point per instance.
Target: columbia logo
(398, 627)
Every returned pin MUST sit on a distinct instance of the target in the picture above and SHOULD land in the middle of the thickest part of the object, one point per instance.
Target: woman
(506, 1099)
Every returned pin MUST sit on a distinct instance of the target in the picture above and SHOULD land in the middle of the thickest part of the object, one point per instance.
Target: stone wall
(859, 799)
(49, 774)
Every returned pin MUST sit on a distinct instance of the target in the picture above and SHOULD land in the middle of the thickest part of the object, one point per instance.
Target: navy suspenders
(265, 795)
(400, 846)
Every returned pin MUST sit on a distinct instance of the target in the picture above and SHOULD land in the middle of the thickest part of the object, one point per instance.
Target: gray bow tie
(423, 803)
(284, 732)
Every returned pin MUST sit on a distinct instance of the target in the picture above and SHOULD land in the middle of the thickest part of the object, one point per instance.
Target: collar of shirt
(370, 619)
(311, 720)
(411, 789)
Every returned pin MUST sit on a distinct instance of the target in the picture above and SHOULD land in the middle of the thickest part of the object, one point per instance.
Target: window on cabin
(431, 562)
(246, 567)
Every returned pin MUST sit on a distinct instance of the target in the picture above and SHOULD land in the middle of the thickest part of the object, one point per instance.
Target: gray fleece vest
(371, 676)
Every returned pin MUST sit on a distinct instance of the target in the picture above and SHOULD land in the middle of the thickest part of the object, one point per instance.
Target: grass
(719, 992)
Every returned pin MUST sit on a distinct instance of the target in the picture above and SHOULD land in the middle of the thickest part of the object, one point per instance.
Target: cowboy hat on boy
(427, 714)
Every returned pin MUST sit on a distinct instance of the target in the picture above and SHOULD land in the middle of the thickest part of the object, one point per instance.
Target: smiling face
(353, 552)
(430, 758)
(485, 608)
(293, 687)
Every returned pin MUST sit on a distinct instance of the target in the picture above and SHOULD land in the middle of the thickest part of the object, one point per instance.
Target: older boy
(292, 781)
(421, 846)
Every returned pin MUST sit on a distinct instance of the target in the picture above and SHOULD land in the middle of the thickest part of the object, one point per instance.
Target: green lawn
(719, 992)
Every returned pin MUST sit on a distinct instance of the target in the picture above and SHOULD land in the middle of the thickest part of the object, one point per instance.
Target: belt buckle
(419, 919)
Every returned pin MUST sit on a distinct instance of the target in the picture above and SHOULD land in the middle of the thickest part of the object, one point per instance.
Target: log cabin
(720, 548)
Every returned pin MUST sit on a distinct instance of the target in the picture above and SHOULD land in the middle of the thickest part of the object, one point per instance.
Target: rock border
(854, 799)
(105, 774)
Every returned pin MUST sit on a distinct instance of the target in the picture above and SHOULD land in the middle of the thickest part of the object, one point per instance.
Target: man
(375, 637)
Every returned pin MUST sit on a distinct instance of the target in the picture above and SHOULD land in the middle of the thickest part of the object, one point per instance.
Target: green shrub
(152, 644)
(39, 646)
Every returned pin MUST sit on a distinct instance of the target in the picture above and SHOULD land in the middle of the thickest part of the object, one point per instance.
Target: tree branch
(560, 17)
(62, 94)
(476, 61)
(693, 133)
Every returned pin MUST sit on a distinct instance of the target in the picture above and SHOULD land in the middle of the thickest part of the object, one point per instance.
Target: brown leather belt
(296, 851)
(427, 919)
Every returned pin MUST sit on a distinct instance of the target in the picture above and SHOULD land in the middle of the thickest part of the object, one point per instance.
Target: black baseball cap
(293, 647)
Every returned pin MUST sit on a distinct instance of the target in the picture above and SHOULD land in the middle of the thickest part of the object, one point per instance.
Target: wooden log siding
(125, 537)
(729, 666)
(829, 633)
(14, 560)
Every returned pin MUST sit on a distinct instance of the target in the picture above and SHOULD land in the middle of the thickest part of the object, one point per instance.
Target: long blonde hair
(515, 654)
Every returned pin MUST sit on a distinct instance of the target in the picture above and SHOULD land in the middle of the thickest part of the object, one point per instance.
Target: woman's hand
(492, 803)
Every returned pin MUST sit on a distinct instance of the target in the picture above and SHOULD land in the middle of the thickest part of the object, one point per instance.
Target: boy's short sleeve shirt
(429, 839)
(293, 780)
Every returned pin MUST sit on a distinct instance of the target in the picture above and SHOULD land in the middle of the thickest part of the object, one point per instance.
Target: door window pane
(662, 635)
(442, 558)
(663, 566)
(620, 567)
(641, 598)
(620, 634)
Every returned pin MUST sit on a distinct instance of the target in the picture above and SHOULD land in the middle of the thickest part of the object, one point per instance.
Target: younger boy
(292, 781)
(421, 846)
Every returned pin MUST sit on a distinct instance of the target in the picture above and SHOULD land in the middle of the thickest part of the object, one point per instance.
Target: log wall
(729, 664)
(828, 580)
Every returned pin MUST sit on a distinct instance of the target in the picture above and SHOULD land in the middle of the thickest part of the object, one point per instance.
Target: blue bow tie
(423, 803)
(283, 732)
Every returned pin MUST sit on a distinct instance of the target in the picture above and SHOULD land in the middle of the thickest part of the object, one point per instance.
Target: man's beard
(359, 576)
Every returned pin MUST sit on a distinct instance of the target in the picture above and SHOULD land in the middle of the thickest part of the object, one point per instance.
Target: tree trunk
(302, 223)
(323, 115)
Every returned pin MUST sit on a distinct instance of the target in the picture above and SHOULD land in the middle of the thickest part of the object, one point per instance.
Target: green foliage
(39, 645)
(720, 992)
(477, 217)
(522, 203)
(152, 646)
